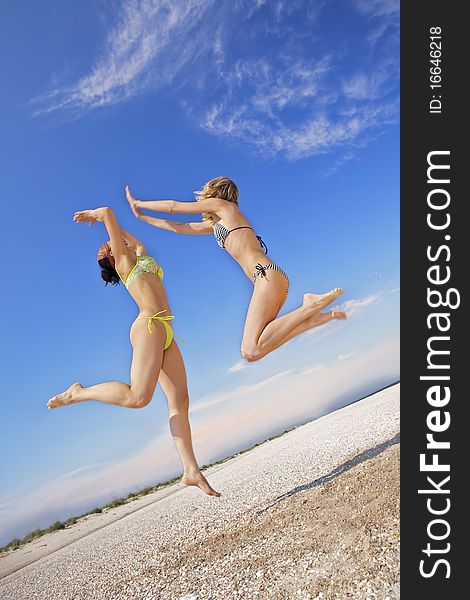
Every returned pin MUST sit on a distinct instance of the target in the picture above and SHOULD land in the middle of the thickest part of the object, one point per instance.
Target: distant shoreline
(311, 514)
(17, 543)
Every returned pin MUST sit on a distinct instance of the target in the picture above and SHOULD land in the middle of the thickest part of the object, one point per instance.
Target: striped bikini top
(144, 264)
(221, 233)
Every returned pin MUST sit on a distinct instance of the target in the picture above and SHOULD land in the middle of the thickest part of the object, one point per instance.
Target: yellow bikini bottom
(164, 321)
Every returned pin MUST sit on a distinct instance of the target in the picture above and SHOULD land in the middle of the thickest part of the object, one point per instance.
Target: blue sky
(295, 101)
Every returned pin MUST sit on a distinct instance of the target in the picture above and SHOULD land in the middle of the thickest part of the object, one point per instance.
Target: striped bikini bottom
(261, 271)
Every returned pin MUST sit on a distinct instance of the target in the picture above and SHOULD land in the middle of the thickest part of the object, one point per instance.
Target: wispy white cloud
(261, 97)
(81, 470)
(356, 305)
(351, 307)
(339, 162)
(378, 8)
(135, 55)
(384, 16)
(366, 86)
(279, 8)
(316, 368)
(238, 366)
(237, 393)
(285, 98)
(317, 134)
(347, 356)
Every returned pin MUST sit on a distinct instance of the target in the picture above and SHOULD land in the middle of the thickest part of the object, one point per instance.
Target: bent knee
(139, 399)
(251, 354)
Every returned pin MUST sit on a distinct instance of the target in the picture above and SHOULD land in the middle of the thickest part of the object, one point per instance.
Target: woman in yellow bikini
(264, 331)
(156, 356)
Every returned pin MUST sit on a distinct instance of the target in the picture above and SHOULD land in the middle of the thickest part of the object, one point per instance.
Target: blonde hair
(220, 187)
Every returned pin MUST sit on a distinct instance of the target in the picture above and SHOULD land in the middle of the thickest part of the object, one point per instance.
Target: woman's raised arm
(198, 228)
(106, 216)
(173, 206)
(131, 239)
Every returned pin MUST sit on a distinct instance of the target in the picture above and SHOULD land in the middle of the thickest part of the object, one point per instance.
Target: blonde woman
(156, 356)
(217, 202)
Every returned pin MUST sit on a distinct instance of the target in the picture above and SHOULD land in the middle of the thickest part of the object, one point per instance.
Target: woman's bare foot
(68, 397)
(318, 301)
(197, 479)
(132, 201)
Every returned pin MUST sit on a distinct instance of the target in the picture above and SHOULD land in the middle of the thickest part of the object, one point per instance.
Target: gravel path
(313, 514)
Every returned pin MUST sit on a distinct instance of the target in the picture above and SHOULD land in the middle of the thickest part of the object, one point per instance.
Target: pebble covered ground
(310, 515)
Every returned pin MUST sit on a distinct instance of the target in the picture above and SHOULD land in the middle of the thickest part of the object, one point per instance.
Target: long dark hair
(108, 271)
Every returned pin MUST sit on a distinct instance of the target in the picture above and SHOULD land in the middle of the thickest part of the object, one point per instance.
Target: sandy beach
(312, 514)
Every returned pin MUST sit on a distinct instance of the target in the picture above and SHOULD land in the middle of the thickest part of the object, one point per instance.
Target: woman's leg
(146, 362)
(263, 332)
(317, 320)
(174, 385)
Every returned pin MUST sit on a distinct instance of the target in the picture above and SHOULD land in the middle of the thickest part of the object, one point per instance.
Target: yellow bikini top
(144, 264)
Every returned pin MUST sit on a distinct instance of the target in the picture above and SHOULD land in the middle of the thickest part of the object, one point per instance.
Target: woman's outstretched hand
(132, 202)
(89, 216)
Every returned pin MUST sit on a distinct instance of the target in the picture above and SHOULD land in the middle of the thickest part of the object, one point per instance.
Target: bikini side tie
(261, 271)
(156, 317)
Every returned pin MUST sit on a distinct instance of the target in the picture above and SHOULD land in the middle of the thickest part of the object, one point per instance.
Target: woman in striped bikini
(156, 356)
(264, 331)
